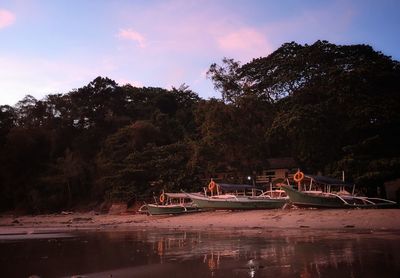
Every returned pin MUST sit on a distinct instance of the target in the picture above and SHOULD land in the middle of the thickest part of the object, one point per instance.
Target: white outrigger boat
(170, 203)
(238, 197)
(325, 192)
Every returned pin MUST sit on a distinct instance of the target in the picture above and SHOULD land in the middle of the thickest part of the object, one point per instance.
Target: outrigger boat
(325, 192)
(237, 197)
(170, 203)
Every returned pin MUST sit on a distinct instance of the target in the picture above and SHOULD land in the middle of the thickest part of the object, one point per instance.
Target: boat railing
(329, 194)
(143, 209)
(262, 195)
(315, 192)
(382, 200)
(365, 200)
(224, 197)
(273, 194)
(341, 198)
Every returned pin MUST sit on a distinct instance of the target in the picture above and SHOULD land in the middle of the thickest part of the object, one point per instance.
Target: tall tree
(325, 97)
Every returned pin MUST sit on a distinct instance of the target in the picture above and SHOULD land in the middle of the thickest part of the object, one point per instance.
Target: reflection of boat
(325, 192)
(170, 203)
(238, 196)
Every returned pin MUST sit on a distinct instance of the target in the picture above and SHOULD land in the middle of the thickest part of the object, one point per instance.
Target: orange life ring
(162, 198)
(211, 185)
(298, 177)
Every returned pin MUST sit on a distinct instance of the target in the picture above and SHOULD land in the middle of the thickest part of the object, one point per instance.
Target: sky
(55, 46)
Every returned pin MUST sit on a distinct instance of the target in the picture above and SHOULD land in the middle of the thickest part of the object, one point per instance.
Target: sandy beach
(360, 219)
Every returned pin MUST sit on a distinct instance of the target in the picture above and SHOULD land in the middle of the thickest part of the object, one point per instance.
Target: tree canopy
(331, 107)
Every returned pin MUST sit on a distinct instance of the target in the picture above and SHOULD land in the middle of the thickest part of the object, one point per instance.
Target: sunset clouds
(61, 45)
(247, 42)
(132, 35)
(7, 18)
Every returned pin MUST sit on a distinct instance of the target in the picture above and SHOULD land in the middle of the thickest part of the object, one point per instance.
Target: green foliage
(129, 171)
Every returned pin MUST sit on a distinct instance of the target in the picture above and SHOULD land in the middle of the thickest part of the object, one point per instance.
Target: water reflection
(203, 254)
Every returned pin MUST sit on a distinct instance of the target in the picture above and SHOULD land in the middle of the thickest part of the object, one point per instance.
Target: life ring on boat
(162, 198)
(211, 185)
(298, 177)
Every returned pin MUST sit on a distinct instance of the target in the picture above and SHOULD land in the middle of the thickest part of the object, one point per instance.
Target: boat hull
(236, 204)
(168, 209)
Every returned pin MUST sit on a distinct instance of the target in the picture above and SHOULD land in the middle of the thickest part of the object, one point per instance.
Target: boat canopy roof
(233, 187)
(176, 195)
(327, 180)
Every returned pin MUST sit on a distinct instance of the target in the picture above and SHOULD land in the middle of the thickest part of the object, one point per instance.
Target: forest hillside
(330, 107)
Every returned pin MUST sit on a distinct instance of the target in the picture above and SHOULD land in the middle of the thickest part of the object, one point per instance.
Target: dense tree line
(330, 107)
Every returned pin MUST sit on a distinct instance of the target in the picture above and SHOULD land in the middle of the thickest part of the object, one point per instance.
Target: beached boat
(325, 192)
(238, 197)
(169, 203)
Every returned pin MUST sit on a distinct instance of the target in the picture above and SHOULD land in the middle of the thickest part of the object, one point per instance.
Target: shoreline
(293, 219)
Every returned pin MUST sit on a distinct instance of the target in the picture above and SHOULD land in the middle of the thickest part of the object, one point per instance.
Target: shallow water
(222, 253)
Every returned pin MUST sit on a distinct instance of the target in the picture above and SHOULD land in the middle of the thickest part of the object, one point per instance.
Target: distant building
(277, 169)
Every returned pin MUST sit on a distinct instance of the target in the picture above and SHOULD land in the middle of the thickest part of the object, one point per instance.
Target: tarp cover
(327, 180)
(176, 195)
(233, 187)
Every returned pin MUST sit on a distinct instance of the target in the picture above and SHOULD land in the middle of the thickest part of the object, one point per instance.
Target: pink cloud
(247, 42)
(6, 18)
(134, 83)
(129, 34)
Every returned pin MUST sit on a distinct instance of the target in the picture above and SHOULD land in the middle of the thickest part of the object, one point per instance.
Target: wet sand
(292, 219)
